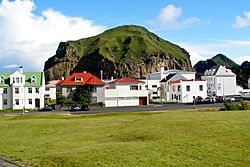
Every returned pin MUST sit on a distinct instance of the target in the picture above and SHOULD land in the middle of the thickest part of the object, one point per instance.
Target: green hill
(124, 51)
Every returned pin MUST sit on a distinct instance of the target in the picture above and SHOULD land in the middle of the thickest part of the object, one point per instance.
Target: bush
(233, 106)
(63, 100)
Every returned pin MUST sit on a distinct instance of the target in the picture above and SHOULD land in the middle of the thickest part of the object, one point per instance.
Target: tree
(82, 94)
(60, 99)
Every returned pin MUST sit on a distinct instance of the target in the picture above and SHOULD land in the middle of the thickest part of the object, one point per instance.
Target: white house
(123, 92)
(152, 82)
(20, 90)
(153, 87)
(184, 91)
(220, 81)
(67, 87)
(50, 90)
(165, 96)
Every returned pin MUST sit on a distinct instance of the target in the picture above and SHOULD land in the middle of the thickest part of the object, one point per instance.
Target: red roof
(125, 81)
(179, 81)
(83, 79)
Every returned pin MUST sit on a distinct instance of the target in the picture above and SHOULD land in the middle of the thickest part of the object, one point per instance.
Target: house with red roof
(50, 89)
(68, 86)
(123, 92)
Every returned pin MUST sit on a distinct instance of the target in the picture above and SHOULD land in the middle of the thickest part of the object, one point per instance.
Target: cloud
(28, 39)
(11, 66)
(241, 59)
(169, 18)
(242, 21)
(233, 49)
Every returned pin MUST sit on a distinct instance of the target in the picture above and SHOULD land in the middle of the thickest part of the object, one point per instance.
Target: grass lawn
(171, 138)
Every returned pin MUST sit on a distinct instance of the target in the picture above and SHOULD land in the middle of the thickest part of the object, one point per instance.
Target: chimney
(101, 75)
(162, 70)
(21, 69)
(84, 72)
(112, 78)
(62, 78)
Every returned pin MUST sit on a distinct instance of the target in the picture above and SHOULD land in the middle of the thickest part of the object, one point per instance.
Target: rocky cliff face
(126, 51)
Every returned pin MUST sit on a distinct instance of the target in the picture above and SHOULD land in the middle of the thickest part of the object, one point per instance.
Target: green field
(171, 138)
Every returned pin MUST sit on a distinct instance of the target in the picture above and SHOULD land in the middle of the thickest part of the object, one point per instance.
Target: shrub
(233, 106)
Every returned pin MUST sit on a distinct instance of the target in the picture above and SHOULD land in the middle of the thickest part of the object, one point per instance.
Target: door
(37, 103)
(142, 101)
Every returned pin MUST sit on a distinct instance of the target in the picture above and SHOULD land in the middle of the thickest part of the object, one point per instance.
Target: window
(30, 101)
(78, 79)
(14, 80)
(21, 80)
(154, 86)
(17, 90)
(17, 80)
(173, 88)
(140, 87)
(179, 88)
(37, 90)
(172, 97)
(47, 88)
(155, 93)
(5, 102)
(219, 86)
(29, 90)
(2, 80)
(69, 89)
(146, 86)
(188, 88)
(5, 91)
(17, 102)
(33, 79)
(201, 87)
(134, 87)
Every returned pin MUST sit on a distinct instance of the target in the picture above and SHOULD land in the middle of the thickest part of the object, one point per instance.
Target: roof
(178, 71)
(38, 75)
(126, 81)
(180, 80)
(52, 83)
(167, 78)
(85, 79)
(219, 70)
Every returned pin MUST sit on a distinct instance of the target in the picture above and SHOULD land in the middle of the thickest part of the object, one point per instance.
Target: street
(151, 107)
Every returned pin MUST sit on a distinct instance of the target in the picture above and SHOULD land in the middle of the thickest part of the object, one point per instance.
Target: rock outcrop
(125, 51)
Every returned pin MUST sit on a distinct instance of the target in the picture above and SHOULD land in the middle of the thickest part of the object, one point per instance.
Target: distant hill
(124, 51)
(242, 71)
(219, 59)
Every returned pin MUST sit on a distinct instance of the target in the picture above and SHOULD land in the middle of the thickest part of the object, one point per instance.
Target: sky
(30, 31)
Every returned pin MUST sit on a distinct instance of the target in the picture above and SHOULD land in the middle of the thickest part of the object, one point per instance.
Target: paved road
(156, 107)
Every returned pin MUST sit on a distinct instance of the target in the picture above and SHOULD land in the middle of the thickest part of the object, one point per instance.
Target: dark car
(85, 107)
(75, 108)
(46, 108)
(79, 108)
(198, 100)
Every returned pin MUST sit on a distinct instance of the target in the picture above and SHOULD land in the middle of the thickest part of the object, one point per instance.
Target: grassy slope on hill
(183, 138)
(127, 42)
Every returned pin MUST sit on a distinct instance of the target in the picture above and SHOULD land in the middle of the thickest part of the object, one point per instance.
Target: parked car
(230, 98)
(75, 108)
(80, 108)
(46, 108)
(209, 99)
(198, 100)
(85, 107)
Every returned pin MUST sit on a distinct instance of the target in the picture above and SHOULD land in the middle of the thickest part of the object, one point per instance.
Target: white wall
(120, 95)
(228, 86)
(184, 96)
(51, 93)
